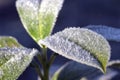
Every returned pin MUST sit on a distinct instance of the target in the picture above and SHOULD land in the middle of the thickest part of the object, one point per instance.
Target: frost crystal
(81, 45)
(28, 12)
(48, 12)
(70, 50)
(38, 16)
(29, 7)
(51, 6)
(13, 61)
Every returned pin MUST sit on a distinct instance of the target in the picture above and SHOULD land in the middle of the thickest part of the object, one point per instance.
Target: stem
(45, 63)
(46, 72)
(52, 58)
(37, 68)
(39, 72)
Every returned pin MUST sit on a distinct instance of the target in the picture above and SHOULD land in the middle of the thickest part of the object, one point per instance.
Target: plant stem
(52, 58)
(37, 68)
(39, 72)
(45, 63)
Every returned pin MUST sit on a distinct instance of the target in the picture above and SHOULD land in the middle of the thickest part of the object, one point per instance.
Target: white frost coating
(51, 6)
(70, 50)
(28, 10)
(80, 45)
(87, 39)
(28, 4)
(17, 63)
(1, 73)
(23, 53)
(109, 33)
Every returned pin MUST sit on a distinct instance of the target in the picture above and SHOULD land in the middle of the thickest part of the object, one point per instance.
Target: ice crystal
(13, 61)
(38, 17)
(28, 12)
(48, 13)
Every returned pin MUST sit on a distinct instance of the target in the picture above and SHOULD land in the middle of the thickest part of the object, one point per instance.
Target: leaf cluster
(88, 47)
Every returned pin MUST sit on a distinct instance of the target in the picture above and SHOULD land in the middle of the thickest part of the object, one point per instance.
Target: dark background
(75, 13)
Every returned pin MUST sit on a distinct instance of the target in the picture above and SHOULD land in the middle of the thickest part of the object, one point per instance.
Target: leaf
(76, 71)
(8, 41)
(114, 63)
(14, 58)
(13, 61)
(28, 12)
(48, 13)
(81, 45)
(38, 17)
(110, 33)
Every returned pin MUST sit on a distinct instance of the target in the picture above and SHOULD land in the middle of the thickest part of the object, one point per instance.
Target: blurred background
(75, 13)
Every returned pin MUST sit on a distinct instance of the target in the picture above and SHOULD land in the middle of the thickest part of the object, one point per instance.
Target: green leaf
(8, 41)
(81, 45)
(110, 33)
(76, 71)
(13, 61)
(38, 17)
(14, 58)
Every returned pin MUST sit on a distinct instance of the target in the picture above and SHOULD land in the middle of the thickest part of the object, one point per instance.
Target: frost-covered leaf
(14, 58)
(76, 71)
(28, 12)
(81, 45)
(38, 17)
(110, 33)
(48, 13)
(8, 41)
(13, 61)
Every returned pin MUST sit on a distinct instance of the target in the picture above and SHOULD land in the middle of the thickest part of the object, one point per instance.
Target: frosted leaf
(48, 13)
(28, 12)
(13, 61)
(38, 17)
(6, 41)
(81, 45)
(76, 71)
(110, 33)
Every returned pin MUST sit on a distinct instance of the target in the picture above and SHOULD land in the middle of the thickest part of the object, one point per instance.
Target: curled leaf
(8, 41)
(13, 61)
(38, 17)
(81, 45)
(110, 33)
